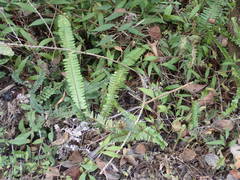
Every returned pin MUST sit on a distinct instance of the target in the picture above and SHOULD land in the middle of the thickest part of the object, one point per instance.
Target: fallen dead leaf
(194, 88)
(212, 20)
(154, 49)
(188, 155)
(109, 174)
(61, 140)
(75, 157)
(209, 99)
(235, 173)
(128, 157)
(118, 48)
(51, 173)
(224, 124)
(141, 149)
(120, 10)
(73, 172)
(235, 150)
(155, 32)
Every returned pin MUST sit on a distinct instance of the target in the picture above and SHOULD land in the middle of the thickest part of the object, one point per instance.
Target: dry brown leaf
(235, 173)
(110, 175)
(224, 124)
(75, 157)
(120, 10)
(188, 155)
(153, 46)
(155, 32)
(61, 140)
(51, 173)
(128, 157)
(73, 172)
(122, 162)
(118, 48)
(141, 149)
(194, 88)
(212, 20)
(131, 160)
(207, 100)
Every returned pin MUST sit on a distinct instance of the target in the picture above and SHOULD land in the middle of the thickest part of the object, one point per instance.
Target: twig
(65, 49)
(6, 89)
(167, 93)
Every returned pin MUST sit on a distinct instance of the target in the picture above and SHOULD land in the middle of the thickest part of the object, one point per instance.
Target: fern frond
(195, 113)
(117, 80)
(213, 10)
(71, 64)
(38, 82)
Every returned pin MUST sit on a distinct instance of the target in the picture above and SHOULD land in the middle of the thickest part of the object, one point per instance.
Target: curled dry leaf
(141, 149)
(209, 99)
(188, 155)
(155, 32)
(194, 88)
(224, 124)
(61, 139)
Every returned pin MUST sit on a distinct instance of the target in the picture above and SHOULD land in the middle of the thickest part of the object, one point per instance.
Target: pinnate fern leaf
(118, 78)
(71, 64)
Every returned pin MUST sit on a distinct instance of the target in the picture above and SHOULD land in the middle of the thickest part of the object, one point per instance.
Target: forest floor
(118, 89)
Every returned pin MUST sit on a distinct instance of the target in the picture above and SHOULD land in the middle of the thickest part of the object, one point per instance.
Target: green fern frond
(117, 80)
(38, 82)
(71, 64)
(213, 10)
(139, 132)
(46, 93)
(195, 113)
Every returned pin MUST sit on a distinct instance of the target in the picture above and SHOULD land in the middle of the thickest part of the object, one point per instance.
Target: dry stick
(65, 49)
(140, 113)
